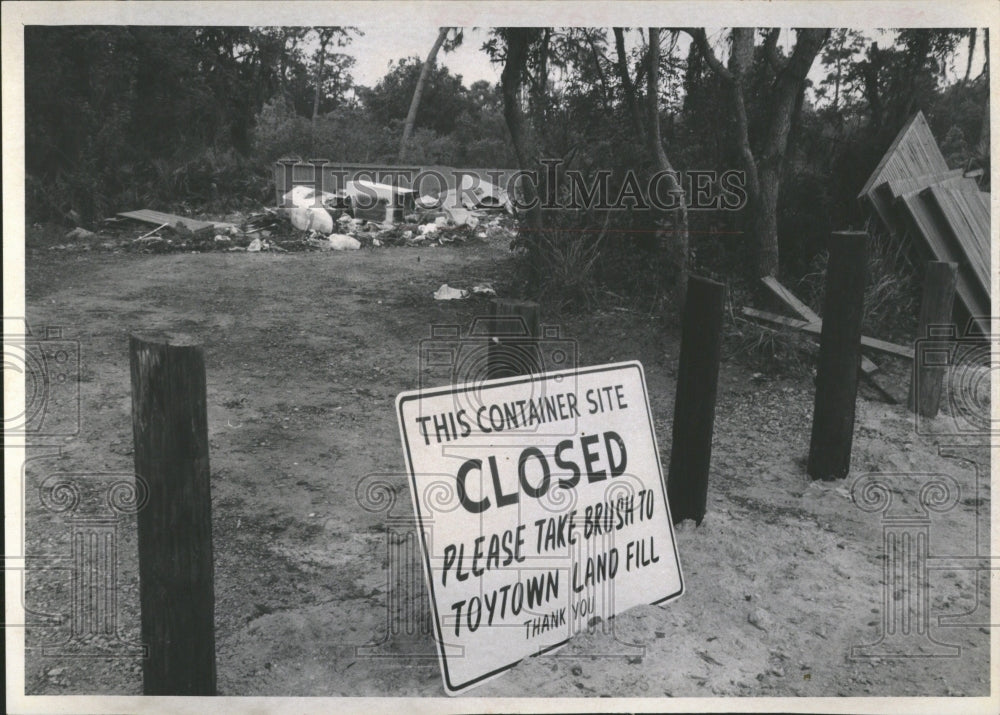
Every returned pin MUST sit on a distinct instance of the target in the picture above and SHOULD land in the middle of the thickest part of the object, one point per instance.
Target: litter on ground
(446, 292)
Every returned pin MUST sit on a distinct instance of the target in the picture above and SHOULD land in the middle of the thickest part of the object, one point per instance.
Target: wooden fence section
(913, 153)
(913, 192)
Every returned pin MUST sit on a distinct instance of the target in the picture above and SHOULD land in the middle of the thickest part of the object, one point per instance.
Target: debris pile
(309, 221)
(942, 211)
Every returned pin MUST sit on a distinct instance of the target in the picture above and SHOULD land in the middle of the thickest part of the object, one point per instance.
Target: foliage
(892, 290)
(123, 117)
(769, 350)
(444, 99)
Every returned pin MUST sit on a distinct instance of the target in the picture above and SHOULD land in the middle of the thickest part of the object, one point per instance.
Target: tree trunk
(627, 86)
(983, 145)
(870, 71)
(540, 86)
(600, 74)
(789, 87)
(518, 40)
(324, 38)
(411, 115)
(765, 220)
(673, 245)
(972, 49)
(764, 173)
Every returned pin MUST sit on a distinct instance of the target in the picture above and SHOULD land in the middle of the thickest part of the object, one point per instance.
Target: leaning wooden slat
(871, 343)
(906, 184)
(790, 299)
(868, 368)
(807, 314)
(926, 222)
(966, 223)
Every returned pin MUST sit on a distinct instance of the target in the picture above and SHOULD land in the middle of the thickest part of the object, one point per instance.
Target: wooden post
(694, 404)
(176, 590)
(514, 332)
(935, 312)
(839, 356)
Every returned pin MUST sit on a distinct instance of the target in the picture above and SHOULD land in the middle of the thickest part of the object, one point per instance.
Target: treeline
(123, 117)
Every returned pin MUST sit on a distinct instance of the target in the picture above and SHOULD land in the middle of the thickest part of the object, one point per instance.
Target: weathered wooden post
(694, 404)
(176, 590)
(935, 311)
(839, 356)
(513, 339)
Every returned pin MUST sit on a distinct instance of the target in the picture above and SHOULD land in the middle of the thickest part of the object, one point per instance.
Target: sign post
(541, 506)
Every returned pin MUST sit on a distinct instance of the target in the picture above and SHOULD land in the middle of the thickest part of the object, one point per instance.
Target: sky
(384, 43)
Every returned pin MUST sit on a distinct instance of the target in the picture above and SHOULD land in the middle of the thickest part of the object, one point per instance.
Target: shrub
(892, 292)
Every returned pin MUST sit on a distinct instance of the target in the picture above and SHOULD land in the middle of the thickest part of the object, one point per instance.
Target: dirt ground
(305, 353)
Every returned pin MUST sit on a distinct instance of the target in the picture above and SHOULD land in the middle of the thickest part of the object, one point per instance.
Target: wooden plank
(814, 328)
(868, 368)
(906, 184)
(158, 218)
(807, 314)
(811, 328)
(913, 152)
(968, 222)
(790, 299)
(926, 222)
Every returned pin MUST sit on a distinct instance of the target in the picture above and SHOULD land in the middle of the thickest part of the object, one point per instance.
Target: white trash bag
(446, 292)
(318, 220)
(341, 242)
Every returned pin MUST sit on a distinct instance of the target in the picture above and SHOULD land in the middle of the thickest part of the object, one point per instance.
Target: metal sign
(541, 507)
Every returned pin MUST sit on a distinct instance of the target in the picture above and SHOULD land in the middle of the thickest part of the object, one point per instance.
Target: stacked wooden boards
(914, 193)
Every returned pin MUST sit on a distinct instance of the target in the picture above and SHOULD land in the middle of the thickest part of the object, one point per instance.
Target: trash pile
(383, 215)
(310, 221)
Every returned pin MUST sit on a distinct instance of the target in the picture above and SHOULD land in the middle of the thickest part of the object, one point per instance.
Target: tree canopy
(120, 117)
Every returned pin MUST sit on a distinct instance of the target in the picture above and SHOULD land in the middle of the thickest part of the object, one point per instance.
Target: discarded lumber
(790, 299)
(807, 314)
(913, 192)
(870, 343)
(868, 368)
(839, 357)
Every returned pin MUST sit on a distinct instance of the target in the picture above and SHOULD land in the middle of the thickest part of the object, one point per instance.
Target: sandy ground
(305, 354)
